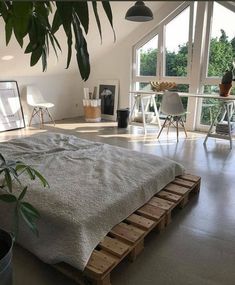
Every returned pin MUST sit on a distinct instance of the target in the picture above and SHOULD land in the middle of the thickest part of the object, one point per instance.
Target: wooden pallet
(127, 238)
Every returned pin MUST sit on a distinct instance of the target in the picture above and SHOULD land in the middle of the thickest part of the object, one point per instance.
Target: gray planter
(6, 244)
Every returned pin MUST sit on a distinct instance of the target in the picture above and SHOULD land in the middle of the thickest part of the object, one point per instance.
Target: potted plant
(12, 191)
(38, 21)
(226, 83)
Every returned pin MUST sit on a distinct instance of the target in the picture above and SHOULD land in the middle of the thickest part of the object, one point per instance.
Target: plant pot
(225, 89)
(6, 244)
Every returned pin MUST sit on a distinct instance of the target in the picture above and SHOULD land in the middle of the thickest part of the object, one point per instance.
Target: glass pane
(176, 45)
(143, 86)
(222, 41)
(147, 58)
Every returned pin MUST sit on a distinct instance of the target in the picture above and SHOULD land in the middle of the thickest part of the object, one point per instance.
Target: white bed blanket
(93, 187)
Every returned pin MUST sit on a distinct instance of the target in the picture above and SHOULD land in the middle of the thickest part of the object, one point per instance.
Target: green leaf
(65, 13)
(44, 59)
(22, 194)
(41, 10)
(3, 10)
(81, 8)
(81, 48)
(35, 56)
(53, 44)
(8, 30)
(94, 5)
(18, 37)
(30, 172)
(21, 18)
(8, 180)
(9, 198)
(21, 11)
(109, 14)
(41, 178)
(57, 22)
(29, 219)
(30, 210)
(29, 48)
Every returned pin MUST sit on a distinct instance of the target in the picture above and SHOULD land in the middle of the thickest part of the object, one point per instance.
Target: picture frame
(11, 112)
(108, 91)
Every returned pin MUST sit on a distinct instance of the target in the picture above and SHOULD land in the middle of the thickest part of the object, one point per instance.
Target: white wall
(64, 90)
(116, 63)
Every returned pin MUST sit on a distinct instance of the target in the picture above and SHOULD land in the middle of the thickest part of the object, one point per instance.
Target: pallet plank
(152, 212)
(161, 203)
(169, 196)
(190, 177)
(177, 189)
(127, 232)
(184, 183)
(114, 246)
(100, 263)
(140, 222)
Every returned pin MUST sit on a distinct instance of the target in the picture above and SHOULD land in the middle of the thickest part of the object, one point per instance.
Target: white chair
(173, 108)
(40, 106)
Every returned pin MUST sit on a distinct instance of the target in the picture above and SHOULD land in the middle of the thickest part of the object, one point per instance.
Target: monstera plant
(30, 21)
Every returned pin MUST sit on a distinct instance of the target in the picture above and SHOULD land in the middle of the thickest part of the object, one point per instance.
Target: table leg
(143, 114)
(156, 112)
(212, 124)
(229, 124)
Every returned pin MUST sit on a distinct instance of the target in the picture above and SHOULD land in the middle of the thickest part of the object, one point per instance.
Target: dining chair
(39, 104)
(173, 108)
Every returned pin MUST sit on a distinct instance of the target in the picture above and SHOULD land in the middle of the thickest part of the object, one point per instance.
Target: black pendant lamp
(139, 13)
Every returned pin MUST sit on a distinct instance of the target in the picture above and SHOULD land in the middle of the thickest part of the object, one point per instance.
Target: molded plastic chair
(172, 107)
(40, 106)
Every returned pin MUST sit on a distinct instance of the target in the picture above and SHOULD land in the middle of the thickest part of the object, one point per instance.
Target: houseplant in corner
(12, 191)
(226, 83)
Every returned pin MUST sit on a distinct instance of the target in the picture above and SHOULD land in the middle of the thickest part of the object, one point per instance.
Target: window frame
(160, 66)
(206, 80)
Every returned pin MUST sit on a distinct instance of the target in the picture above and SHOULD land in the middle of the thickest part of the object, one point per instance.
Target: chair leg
(41, 118)
(50, 116)
(177, 128)
(169, 125)
(32, 115)
(182, 122)
(162, 127)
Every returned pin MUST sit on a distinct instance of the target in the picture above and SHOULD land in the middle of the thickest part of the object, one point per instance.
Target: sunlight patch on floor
(72, 126)
(88, 131)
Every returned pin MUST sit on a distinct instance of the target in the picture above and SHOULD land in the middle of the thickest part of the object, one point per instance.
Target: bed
(93, 187)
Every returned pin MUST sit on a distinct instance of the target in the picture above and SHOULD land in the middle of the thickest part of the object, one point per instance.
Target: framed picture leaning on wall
(108, 93)
(11, 113)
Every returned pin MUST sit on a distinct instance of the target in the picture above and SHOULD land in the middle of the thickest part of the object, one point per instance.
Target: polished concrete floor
(197, 247)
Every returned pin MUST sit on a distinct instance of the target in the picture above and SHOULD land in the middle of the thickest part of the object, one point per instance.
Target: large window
(174, 38)
(222, 41)
(193, 47)
(147, 58)
(176, 45)
(220, 56)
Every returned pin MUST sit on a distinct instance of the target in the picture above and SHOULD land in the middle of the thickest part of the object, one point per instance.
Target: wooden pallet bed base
(127, 238)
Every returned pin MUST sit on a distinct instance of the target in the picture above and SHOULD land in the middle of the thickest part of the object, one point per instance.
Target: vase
(225, 89)
(6, 244)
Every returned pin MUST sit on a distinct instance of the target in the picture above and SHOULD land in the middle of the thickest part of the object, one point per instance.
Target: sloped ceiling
(19, 65)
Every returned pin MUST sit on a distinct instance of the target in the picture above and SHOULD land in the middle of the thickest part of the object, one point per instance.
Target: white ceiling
(19, 65)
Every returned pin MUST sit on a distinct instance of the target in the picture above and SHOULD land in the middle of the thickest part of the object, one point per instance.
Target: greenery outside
(221, 57)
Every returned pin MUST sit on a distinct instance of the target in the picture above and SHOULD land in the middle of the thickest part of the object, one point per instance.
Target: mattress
(93, 187)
